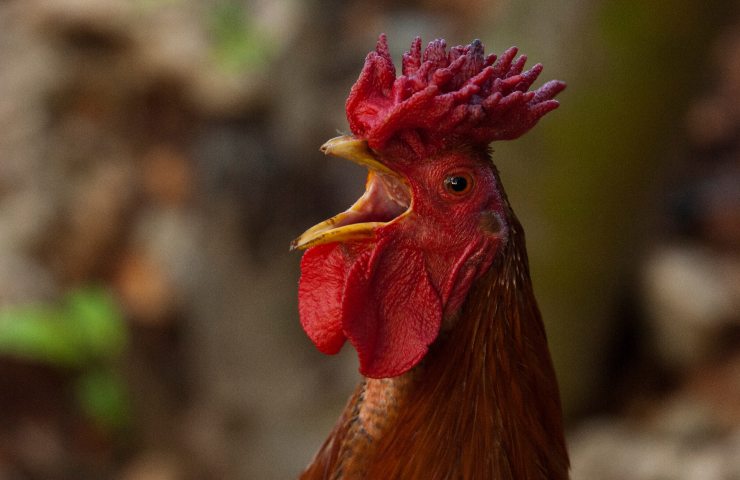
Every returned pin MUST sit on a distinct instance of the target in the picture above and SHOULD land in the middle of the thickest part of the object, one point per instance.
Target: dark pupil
(457, 184)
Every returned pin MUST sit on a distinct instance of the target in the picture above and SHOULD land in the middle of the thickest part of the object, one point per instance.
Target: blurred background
(157, 157)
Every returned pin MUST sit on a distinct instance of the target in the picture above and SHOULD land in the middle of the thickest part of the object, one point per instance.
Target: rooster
(427, 277)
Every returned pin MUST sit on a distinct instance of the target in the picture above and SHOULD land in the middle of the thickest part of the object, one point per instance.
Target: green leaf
(88, 326)
(102, 396)
(238, 44)
(99, 323)
(37, 333)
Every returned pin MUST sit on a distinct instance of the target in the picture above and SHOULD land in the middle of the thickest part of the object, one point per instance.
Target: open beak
(387, 197)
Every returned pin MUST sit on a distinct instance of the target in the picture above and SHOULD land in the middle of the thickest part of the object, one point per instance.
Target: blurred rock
(154, 466)
(144, 289)
(691, 434)
(611, 450)
(167, 176)
(692, 297)
(24, 280)
(711, 121)
(92, 219)
(40, 445)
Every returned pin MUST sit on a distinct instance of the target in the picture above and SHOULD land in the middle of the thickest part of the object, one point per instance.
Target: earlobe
(492, 223)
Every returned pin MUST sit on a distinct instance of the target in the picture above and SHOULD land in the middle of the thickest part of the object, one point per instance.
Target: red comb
(444, 98)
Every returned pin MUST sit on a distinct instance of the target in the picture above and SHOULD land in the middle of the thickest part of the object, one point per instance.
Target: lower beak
(378, 205)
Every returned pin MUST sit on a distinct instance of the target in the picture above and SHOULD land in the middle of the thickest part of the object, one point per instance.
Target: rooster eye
(458, 184)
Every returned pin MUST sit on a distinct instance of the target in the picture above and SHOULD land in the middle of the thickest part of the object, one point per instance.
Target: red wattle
(323, 275)
(381, 299)
(391, 312)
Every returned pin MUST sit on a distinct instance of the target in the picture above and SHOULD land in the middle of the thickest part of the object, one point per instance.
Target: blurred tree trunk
(631, 67)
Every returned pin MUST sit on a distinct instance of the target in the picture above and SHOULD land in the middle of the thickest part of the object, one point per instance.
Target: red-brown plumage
(427, 277)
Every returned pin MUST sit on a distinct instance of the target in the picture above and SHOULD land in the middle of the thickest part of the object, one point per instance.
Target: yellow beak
(351, 224)
(355, 150)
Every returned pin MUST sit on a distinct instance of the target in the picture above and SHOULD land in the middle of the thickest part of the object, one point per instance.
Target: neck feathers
(484, 403)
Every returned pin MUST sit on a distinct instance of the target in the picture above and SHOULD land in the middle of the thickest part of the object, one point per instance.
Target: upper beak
(376, 207)
(355, 150)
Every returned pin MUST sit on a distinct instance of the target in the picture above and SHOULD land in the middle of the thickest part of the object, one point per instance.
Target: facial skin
(455, 196)
(386, 272)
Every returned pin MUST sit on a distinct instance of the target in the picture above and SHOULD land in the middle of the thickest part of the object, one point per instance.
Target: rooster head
(386, 272)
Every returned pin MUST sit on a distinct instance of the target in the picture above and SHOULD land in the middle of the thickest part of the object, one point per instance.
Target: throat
(376, 415)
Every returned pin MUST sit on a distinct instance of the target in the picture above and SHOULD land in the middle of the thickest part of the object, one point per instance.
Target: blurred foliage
(238, 43)
(86, 332)
(101, 395)
(86, 327)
